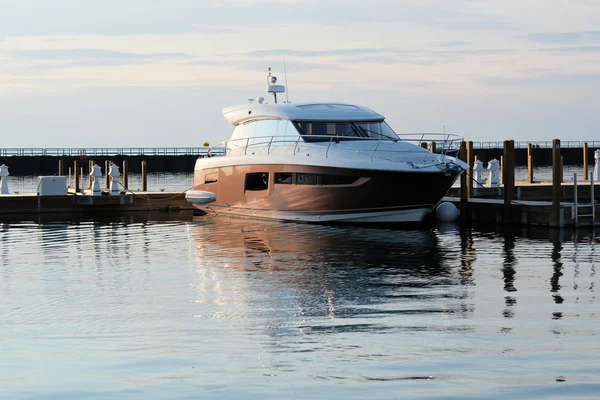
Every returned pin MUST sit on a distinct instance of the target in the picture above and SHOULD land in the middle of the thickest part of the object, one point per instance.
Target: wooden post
(144, 177)
(470, 161)
(90, 169)
(106, 169)
(508, 173)
(125, 175)
(476, 158)
(463, 180)
(76, 173)
(562, 170)
(585, 161)
(556, 219)
(61, 168)
(501, 170)
(529, 164)
(432, 147)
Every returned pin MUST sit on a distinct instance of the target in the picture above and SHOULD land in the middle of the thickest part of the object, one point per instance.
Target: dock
(78, 203)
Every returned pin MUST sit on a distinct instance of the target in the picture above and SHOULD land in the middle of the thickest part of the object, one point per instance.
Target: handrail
(286, 145)
(105, 151)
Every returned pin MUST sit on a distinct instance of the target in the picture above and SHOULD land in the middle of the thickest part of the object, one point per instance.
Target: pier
(499, 199)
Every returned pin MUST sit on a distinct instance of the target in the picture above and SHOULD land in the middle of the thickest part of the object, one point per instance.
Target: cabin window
(211, 178)
(306, 179)
(283, 178)
(257, 181)
(338, 180)
(321, 131)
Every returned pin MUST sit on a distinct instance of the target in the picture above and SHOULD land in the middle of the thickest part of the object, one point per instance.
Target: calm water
(213, 307)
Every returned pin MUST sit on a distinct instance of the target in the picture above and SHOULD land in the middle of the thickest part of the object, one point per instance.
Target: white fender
(200, 197)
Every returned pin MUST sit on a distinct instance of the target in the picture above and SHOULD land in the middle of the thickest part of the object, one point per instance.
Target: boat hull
(335, 194)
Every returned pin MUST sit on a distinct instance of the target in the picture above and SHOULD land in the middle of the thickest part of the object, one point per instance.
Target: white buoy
(114, 179)
(96, 175)
(4, 176)
(447, 212)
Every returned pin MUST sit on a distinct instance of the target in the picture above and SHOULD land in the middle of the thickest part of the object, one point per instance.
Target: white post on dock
(4, 176)
(114, 179)
(494, 174)
(596, 166)
(95, 175)
(478, 173)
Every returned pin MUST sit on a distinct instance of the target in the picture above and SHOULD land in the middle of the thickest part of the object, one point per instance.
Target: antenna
(287, 93)
(272, 87)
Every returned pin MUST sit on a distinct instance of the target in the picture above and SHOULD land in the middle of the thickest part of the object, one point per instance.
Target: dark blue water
(214, 307)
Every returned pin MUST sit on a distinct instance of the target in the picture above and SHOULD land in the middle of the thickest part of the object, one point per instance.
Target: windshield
(354, 129)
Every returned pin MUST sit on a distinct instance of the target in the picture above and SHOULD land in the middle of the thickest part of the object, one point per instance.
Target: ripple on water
(222, 307)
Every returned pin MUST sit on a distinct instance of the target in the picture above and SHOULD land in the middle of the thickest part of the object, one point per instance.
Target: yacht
(322, 162)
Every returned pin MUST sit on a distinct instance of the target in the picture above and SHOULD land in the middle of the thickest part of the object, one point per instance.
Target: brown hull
(373, 192)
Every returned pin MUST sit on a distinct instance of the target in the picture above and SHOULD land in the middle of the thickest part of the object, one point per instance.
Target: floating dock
(78, 203)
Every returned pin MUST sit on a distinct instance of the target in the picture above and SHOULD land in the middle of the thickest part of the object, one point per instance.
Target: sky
(138, 73)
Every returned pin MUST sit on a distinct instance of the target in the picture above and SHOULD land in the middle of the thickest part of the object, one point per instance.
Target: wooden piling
(508, 174)
(61, 168)
(529, 164)
(106, 169)
(585, 161)
(463, 180)
(90, 169)
(555, 219)
(432, 147)
(76, 173)
(144, 177)
(562, 169)
(125, 175)
(470, 161)
(501, 171)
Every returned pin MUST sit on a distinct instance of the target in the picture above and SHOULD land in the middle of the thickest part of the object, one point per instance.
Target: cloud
(317, 53)
(41, 60)
(457, 43)
(261, 65)
(94, 54)
(134, 17)
(561, 79)
(566, 37)
(571, 49)
(349, 52)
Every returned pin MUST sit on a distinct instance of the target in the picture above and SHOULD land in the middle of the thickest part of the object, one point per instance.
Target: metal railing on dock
(106, 151)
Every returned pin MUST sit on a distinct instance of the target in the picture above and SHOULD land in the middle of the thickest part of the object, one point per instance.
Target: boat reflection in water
(359, 275)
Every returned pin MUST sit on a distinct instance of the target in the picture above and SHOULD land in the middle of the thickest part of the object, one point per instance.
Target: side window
(306, 179)
(338, 180)
(211, 178)
(257, 181)
(283, 178)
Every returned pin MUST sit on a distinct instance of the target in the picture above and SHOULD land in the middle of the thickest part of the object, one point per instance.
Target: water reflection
(351, 274)
(509, 272)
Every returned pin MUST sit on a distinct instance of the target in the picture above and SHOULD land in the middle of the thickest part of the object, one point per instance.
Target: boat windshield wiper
(374, 134)
(359, 130)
